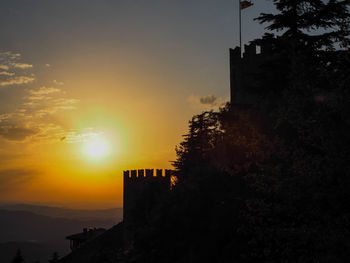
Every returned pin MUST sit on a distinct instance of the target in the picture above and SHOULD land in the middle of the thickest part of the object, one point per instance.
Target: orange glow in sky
(96, 149)
(84, 97)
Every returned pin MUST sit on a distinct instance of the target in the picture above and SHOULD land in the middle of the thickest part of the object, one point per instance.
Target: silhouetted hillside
(24, 227)
(31, 251)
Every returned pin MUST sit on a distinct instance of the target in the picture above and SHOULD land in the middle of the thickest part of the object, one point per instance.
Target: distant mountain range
(115, 214)
(40, 230)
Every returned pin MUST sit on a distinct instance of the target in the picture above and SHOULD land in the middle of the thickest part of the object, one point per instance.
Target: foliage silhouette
(267, 182)
(18, 258)
(55, 258)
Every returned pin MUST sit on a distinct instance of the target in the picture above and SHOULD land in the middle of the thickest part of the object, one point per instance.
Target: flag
(245, 4)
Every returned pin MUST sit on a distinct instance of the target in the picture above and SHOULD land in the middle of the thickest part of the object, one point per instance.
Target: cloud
(21, 65)
(3, 117)
(4, 67)
(206, 102)
(40, 105)
(82, 136)
(35, 119)
(15, 177)
(5, 73)
(44, 91)
(40, 94)
(9, 55)
(17, 81)
(31, 114)
(33, 98)
(14, 133)
(58, 83)
(66, 102)
(10, 60)
(7, 156)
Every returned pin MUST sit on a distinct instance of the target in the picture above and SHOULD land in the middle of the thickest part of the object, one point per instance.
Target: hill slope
(31, 251)
(113, 214)
(29, 232)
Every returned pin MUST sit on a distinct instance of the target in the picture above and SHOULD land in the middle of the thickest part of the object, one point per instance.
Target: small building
(77, 240)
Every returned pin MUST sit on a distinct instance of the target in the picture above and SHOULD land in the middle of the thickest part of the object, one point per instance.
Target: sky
(89, 88)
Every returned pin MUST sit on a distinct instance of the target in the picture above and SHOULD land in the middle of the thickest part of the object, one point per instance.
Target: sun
(96, 149)
(99, 148)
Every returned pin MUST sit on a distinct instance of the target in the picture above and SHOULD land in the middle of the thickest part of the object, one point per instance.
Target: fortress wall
(142, 189)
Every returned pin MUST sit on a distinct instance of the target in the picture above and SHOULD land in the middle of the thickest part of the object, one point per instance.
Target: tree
(18, 258)
(55, 258)
(198, 144)
(312, 24)
(314, 33)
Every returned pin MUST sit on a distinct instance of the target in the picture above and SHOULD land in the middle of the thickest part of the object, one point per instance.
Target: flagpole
(240, 26)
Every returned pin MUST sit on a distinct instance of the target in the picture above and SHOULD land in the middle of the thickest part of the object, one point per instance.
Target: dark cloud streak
(208, 100)
(16, 133)
(15, 177)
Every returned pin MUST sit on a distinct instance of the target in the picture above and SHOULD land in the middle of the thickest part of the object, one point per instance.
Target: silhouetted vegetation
(18, 258)
(54, 258)
(268, 182)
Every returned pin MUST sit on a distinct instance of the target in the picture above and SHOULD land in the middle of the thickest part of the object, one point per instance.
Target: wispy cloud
(17, 81)
(15, 177)
(16, 133)
(5, 73)
(82, 136)
(4, 67)
(21, 65)
(44, 90)
(42, 105)
(18, 76)
(35, 118)
(58, 83)
(9, 55)
(33, 115)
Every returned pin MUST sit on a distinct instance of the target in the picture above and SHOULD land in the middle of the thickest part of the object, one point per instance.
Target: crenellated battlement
(251, 51)
(141, 174)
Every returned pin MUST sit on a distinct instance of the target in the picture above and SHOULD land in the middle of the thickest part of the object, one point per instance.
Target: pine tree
(199, 142)
(315, 24)
(18, 258)
(315, 36)
(55, 258)
(309, 29)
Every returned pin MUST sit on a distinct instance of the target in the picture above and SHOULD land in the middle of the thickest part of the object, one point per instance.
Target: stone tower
(142, 190)
(243, 72)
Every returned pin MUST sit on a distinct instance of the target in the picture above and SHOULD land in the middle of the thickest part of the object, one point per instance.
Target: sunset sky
(89, 88)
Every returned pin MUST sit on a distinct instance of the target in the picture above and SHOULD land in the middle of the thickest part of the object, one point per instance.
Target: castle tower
(244, 71)
(142, 190)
